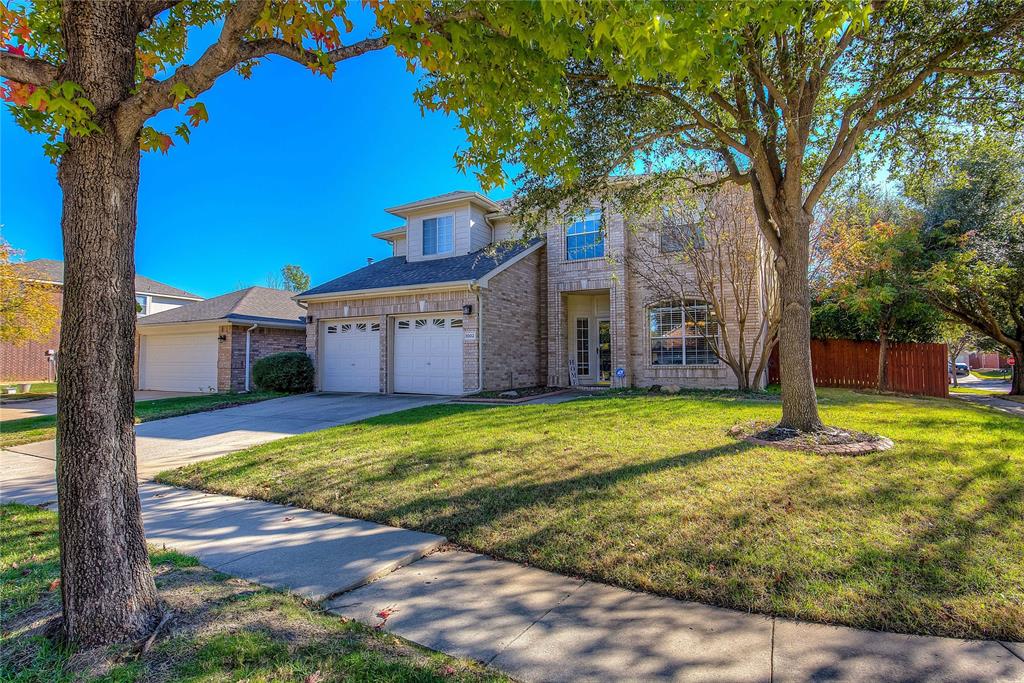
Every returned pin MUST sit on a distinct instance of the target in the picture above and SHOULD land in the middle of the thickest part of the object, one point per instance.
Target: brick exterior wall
(263, 341)
(590, 276)
(27, 362)
(515, 325)
(628, 304)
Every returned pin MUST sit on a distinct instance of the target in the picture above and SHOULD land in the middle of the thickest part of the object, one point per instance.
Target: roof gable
(52, 270)
(253, 305)
(397, 272)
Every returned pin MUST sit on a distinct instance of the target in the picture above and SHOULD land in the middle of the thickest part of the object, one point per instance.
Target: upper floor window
(141, 305)
(584, 238)
(683, 333)
(677, 232)
(438, 235)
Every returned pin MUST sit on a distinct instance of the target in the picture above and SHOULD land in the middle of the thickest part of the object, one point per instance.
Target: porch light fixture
(222, 337)
(467, 309)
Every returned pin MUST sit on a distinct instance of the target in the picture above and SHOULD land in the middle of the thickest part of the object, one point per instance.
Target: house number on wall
(470, 335)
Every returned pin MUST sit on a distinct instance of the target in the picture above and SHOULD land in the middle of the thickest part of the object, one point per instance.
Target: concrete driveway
(27, 471)
(16, 410)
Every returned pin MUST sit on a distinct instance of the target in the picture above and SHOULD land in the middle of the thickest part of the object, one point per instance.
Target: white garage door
(351, 360)
(428, 355)
(179, 362)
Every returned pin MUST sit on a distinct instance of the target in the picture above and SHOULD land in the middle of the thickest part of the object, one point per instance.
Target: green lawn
(44, 427)
(38, 390)
(966, 389)
(223, 629)
(650, 493)
(991, 374)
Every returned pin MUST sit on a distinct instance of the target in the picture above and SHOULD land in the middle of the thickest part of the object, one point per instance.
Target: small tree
(295, 279)
(707, 244)
(28, 307)
(873, 270)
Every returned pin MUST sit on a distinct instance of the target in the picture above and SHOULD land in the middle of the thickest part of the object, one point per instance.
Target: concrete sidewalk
(533, 624)
(1000, 404)
(539, 626)
(312, 554)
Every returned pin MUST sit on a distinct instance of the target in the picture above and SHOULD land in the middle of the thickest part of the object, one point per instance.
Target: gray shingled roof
(397, 272)
(52, 270)
(250, 305)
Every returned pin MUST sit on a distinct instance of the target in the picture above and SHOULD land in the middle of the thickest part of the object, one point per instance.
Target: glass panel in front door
(604, 349)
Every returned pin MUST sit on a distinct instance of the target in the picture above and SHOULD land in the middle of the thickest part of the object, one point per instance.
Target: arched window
(683, 333)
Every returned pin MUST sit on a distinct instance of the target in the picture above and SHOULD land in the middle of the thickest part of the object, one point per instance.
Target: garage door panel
(428, 356)
(351, 357)
(179, 362)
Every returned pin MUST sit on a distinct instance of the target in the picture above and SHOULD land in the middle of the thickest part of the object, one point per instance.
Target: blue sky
(291, 168)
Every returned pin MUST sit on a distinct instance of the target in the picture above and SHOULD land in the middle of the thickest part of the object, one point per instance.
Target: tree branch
(147, 10)
(228, 51)
(26, 69)
(1009, 70)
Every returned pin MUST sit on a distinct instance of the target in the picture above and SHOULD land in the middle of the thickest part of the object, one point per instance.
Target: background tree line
(938, 257)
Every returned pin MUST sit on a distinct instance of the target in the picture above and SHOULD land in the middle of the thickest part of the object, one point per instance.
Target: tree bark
(799, 402)
(108, 590)
(883, 358)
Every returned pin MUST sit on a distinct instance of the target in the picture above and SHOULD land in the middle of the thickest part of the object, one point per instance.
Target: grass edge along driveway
(650, 493)
(44, 427)
(222, 628)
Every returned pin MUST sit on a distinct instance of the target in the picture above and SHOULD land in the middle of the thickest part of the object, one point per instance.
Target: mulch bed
(828, 441)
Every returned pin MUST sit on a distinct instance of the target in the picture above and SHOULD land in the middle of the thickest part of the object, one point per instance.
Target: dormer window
(438, 237)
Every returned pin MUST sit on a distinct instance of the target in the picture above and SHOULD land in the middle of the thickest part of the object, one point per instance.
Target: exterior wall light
(467, 309)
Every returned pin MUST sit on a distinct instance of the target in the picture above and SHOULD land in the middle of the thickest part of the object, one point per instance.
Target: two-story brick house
(464, 304)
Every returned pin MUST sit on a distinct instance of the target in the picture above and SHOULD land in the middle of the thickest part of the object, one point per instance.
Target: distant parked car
(961, 369)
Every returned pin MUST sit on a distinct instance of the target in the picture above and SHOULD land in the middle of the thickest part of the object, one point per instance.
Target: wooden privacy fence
(913, 368)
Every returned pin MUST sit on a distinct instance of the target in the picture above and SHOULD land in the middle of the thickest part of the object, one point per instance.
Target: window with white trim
(438, 235)
(683, 333)
(582, 346)
(141, 304)
(584, 238)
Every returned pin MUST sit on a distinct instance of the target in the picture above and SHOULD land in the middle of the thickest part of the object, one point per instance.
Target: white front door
(428, 355)
(351, 356)
(178, 362)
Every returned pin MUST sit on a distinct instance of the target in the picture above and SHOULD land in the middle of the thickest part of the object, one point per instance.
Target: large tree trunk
(799, 402)
(883, 358)
(108, 590)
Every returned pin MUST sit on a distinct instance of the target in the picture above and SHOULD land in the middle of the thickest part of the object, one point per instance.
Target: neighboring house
(31, 361)
(464, 305)
(211, 345)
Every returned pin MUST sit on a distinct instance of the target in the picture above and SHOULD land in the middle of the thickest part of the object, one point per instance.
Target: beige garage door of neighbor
(179, 362)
